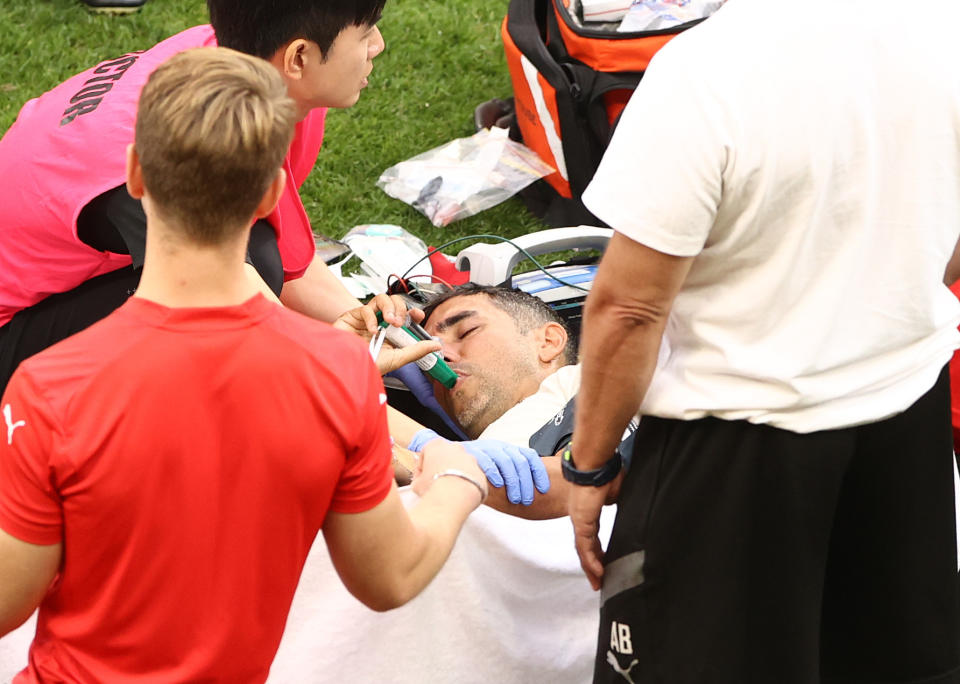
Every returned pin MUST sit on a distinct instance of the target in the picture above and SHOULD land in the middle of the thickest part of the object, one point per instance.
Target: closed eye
(467, 332)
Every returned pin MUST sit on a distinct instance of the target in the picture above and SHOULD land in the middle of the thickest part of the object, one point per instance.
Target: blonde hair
(213, 127)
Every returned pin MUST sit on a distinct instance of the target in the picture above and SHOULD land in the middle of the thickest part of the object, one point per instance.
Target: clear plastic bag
(464, 176)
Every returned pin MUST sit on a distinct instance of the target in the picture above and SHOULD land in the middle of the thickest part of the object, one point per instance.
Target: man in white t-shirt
(785, 190)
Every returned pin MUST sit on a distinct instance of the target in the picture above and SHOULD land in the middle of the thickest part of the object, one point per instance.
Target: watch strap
(589, 478)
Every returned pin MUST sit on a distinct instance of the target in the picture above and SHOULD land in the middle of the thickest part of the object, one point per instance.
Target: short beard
(491, 398)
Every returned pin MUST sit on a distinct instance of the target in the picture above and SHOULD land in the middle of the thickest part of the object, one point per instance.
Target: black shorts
(747, 554)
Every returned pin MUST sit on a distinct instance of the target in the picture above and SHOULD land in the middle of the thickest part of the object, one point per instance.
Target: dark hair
(526, 310)
(261, 28)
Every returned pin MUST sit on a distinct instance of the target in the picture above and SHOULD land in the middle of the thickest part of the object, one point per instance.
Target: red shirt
(186, 458)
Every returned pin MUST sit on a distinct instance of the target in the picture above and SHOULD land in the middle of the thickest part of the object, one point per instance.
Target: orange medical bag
(571, 80)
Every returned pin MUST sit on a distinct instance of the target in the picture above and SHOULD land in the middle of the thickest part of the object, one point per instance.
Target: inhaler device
(432, 364)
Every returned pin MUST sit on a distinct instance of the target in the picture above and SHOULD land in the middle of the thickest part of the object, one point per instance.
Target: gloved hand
(421, 387)
(519, 468)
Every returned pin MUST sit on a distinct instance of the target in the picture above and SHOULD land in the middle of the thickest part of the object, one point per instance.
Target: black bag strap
(589, 87)
(528, 24)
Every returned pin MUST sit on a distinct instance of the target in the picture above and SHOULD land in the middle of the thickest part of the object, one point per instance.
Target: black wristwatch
(590, 478)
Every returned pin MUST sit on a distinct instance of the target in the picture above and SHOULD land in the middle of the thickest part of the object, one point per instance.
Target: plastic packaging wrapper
(604, 10)
(652, 15)
(465, 176)
(385, 250)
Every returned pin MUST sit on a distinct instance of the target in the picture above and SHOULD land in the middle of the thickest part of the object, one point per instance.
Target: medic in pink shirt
(72, 238)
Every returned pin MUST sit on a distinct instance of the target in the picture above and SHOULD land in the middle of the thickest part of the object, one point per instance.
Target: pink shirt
(69, 145)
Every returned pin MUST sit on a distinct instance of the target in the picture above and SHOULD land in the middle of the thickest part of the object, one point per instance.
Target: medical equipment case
(571, 80)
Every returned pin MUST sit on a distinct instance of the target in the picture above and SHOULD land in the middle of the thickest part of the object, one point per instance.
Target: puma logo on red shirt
(11, 426)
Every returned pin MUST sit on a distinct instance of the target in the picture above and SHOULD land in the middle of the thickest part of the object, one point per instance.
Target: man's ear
(272, 196)
(291, 59)
(551, 341)
(134, 173)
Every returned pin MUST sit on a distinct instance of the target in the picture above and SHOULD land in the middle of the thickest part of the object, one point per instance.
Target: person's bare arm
(553, 504)
(388, 555)
(318, 293)
(622, 329)
(405, 464)
(402, 426)
(952, 273)
(26, 571)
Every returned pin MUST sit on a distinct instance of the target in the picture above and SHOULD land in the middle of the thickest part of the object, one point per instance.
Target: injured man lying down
(518, 378)
(511, 604)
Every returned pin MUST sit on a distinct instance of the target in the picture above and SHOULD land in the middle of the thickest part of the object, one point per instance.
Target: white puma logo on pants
(612, 659)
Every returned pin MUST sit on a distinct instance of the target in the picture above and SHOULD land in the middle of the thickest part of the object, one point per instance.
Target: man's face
(498, 367)
(338, 80)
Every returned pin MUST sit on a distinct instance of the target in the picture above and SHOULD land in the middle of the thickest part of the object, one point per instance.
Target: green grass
(443, 57)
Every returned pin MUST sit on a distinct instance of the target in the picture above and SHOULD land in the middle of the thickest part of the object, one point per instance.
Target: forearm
(318, 293)
(387, 555)
(437, 518)
(397, 572)
(622, 329)
(553, 504)
(402, 427)
(619, 355)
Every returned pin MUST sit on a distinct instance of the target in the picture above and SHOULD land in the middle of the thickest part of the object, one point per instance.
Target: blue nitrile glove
(421, 387)
(421, 438)
(519, 468)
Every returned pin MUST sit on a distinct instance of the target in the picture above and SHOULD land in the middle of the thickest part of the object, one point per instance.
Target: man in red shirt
(164, 472)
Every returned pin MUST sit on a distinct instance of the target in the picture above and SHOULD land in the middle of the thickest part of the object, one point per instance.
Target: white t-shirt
(808, 155)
